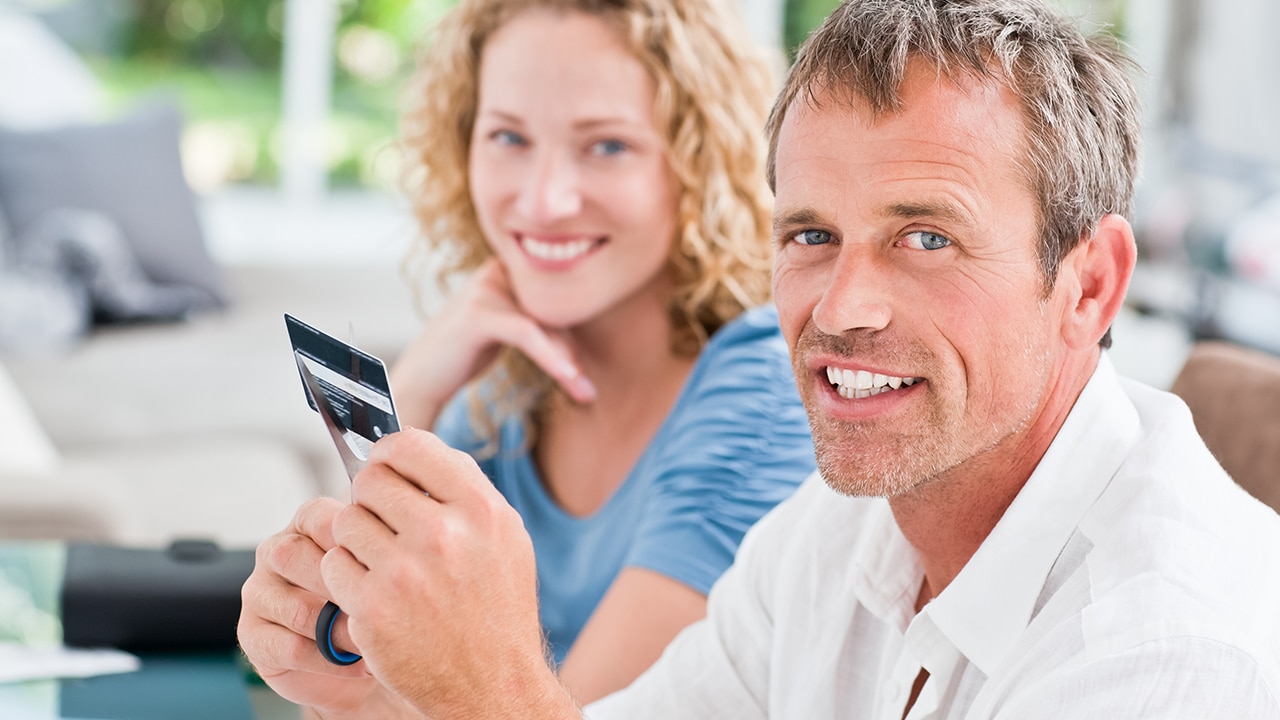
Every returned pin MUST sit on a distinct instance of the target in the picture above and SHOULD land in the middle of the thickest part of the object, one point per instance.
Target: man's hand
(436, 574)
(279, 605)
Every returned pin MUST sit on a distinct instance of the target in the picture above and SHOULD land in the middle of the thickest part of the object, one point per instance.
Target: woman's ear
(1096, 275)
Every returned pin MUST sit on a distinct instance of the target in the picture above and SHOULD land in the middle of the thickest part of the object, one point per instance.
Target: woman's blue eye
(925, 240)
(506, 137)
(812, 237)
(608, 147)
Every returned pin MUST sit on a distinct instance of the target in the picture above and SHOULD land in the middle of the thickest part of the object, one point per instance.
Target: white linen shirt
(1130, 578)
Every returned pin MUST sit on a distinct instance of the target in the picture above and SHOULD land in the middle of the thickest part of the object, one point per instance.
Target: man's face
(908, 285)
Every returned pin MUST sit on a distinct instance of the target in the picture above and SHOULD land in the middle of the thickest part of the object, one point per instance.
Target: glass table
(197, 686)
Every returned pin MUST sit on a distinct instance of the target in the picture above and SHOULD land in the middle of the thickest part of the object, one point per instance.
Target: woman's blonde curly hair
(712, 95)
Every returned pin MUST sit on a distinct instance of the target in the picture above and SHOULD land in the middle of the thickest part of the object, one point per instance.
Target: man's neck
(949, 517)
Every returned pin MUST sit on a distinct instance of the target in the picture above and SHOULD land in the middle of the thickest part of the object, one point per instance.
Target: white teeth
(862, 383)
(864, 380)
(557, 251)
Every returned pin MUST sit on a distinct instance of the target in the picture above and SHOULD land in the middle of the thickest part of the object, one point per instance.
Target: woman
(596, 167)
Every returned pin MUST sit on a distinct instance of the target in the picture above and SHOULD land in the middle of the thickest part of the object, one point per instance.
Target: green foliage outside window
(222, 59)
(801, 17)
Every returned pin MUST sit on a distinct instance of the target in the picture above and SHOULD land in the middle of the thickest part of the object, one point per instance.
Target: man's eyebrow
(924, 209)
(798, 216)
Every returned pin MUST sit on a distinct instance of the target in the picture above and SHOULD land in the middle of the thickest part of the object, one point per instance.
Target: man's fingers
(392, 499)
(285, 605)
(445, 474)
(296, 559)
(278, 626)
(282, 650)
(343, 575)
(366, 535)
(315, 520)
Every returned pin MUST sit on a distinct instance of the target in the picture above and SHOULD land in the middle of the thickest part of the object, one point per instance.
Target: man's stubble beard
(858, 459)
(885, 469)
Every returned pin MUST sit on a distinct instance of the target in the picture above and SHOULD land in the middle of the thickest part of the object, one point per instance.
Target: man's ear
(1095, 276)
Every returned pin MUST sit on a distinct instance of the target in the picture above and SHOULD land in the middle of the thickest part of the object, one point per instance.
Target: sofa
(1234, 396)
(144, 433)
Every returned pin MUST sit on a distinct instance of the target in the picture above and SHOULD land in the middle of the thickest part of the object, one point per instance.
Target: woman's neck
(628, 347)
(586, 451)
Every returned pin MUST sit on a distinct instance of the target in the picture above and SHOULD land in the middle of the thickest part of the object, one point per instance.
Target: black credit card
(354, 382)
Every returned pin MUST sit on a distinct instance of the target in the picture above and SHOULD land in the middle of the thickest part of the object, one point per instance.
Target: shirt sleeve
(738, 445)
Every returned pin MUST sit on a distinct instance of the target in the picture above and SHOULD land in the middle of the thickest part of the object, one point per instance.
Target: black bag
(180, 599)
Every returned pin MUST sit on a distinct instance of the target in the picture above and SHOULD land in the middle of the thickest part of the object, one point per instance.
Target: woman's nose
(551, 190)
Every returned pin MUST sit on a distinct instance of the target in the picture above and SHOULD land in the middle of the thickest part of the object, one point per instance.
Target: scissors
(353, 463)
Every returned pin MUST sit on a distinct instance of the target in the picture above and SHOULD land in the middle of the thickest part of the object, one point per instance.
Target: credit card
(353, 381)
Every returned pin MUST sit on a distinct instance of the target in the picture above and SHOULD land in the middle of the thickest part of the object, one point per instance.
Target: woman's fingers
(549, 352)
(463, 339)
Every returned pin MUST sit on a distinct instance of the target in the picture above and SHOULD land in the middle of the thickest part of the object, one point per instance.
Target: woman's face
(569, 175)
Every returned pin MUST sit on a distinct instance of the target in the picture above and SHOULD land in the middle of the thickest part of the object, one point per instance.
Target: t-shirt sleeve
(738, 445)
(453, 426)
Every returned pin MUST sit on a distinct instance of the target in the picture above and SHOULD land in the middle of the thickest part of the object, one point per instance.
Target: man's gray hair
(1079, 103)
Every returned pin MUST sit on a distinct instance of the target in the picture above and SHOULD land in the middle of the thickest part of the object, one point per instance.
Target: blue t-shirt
(734, 445)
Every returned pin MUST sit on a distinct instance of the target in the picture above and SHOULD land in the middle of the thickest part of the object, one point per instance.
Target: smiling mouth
(560, 250)
(851, 384)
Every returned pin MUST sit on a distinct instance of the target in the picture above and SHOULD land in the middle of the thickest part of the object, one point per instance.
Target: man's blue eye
(608, 147)
(925, 240)
(812, 237)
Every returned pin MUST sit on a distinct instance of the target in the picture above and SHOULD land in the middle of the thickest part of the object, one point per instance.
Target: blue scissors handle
(324, 637)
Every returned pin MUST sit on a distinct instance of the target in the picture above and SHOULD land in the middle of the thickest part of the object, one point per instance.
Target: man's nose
(551, 190)
(857, 292)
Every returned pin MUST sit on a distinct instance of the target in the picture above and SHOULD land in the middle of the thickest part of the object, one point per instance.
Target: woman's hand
(279, 605)
(436, 574)
(464, 337)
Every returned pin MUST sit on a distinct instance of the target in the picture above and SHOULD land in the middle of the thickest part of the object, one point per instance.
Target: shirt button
(892, 691)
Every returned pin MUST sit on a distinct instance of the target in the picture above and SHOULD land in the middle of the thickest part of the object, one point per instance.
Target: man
(1002, 527)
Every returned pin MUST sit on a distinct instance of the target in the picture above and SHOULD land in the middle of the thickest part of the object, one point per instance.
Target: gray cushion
(129, 170)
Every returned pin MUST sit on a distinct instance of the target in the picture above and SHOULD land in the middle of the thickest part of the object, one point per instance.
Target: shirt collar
(988, 606)
(889, 571)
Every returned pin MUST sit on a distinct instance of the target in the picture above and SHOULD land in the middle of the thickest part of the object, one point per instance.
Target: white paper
(19, 663)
